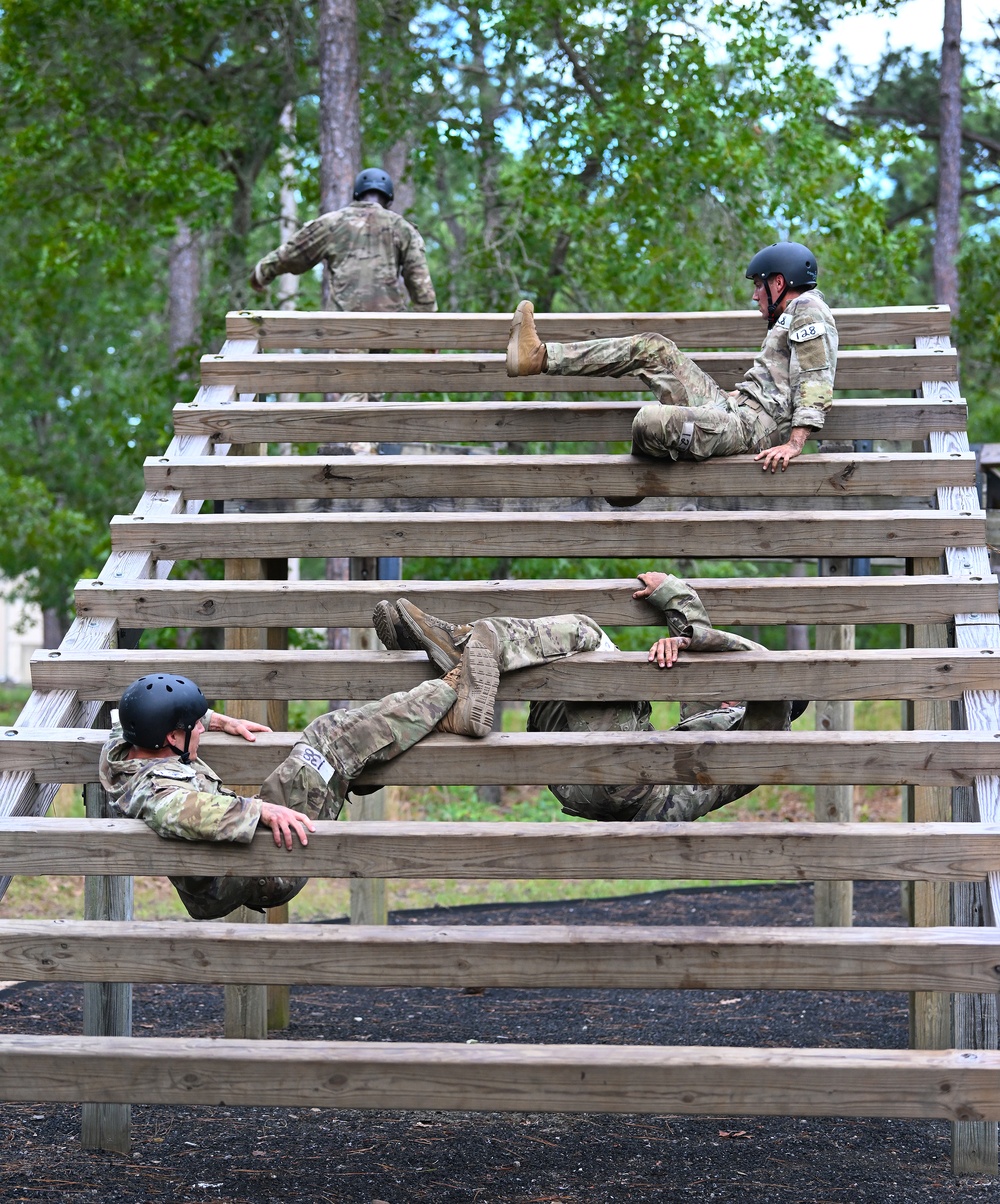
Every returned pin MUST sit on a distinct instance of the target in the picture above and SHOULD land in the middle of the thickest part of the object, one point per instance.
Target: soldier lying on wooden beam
(780, 403)
(151, 770)
(523, 642)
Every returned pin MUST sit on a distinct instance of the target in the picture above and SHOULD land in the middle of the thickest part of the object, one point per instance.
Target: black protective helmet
(158, 704)
(794, 261)
(373, 179)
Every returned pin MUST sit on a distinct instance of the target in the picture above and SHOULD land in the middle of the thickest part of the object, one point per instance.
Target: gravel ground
(277, 1156)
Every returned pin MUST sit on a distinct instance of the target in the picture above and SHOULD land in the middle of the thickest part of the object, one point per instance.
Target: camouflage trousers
(316, 775)
(315, 778)
(695, 419)
(525, 642)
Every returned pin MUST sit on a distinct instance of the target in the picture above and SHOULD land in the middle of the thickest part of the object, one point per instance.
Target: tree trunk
(339, 104)
(396, 161)
(184, 286)
(949, 161)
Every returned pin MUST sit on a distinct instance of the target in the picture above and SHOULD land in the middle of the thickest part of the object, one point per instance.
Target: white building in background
(20, 636)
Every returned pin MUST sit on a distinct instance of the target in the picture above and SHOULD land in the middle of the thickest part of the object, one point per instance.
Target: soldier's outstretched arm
(685, 615)
(303, 251)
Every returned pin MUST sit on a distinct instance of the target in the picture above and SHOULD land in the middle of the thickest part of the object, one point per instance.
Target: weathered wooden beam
(620, 956)
(488, 332)
(949, 1085)
(592, 676)
(744, 533)
(517, 758)
(350, 604)
(830, 475)
(396, 849)
(319, 422)
(483, 373)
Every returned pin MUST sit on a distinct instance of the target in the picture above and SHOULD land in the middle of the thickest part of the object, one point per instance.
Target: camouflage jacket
(367, 249)
(685, 614)
(792, 376)
(187, 802)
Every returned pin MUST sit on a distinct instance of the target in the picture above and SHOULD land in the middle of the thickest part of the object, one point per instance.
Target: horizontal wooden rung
(312, 422)
(882, 599)
(745, 534)
(326, 373)
(801, 852)
(587, 677)
(948, 1085)
(538, 955)
(488, 332)
(802, 757)
(952, 758)
(832, 475)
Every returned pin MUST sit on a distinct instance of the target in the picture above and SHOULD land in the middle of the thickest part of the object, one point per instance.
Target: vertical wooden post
(833, 902)
(369, 902)
(973, 1142)
(246, 1004)
(279, 1006)
(107, 1006)
(930, 1011)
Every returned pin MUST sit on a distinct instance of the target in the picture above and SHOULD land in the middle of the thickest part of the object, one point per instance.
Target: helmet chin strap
(772, 304)
(185, 756)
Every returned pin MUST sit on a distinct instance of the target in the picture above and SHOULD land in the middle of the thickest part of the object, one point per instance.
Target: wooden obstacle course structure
(836, 504)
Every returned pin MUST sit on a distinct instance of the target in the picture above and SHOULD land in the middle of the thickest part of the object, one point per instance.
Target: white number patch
(783, 322)
(805, 333)
(316, 761)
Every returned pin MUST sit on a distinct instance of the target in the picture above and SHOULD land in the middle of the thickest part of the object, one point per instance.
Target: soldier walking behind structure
(368, 250)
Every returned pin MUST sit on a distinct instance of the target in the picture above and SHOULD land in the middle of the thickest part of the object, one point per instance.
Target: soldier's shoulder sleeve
(416, 274)
(301, 252)
(812, 342)
(181, 802)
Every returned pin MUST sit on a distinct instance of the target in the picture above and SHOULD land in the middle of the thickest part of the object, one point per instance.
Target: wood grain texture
(488, 332)
(798, 852)
(744, 533)
(833, 475)
(483, 373)
(350, 604)
(532, 1078)
(318, 422)
(615, 956)
(952, 758)
(591, 676)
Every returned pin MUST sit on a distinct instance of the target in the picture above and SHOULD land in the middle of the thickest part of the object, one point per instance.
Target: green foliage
(626, 157)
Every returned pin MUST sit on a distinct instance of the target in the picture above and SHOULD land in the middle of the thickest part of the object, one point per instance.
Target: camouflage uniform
(367, 250)
(525, 642)
(789, 385)
(189, 802)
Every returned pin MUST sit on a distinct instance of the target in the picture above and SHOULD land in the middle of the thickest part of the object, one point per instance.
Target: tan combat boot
(527, 355)
(441, 640)
(390, 629)
(475, 680)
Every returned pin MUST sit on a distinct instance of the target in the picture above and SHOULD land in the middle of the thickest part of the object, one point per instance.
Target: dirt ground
(284, 1156)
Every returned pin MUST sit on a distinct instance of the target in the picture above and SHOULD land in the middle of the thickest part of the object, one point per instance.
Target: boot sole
(385, 628)
(475, 701)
